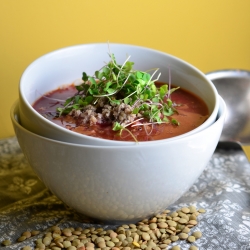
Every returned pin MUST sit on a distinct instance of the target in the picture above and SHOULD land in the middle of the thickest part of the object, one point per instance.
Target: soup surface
(191, 113)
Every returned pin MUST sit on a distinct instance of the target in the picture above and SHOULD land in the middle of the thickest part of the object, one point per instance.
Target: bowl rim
(22, 95)
(14, 111)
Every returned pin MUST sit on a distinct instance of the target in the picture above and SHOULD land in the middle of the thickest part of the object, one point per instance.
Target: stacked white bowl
(114, 181)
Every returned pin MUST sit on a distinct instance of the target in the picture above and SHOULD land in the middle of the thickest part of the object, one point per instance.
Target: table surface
(223, 190)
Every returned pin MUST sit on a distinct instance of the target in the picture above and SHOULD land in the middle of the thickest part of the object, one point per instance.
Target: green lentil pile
(155, 233)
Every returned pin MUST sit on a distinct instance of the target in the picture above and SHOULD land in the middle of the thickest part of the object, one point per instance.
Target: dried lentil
(176, 218)
(22, 238)
(171, 223)
(192, 209)
(182, 221)
(192, 222)
(183, 236)
(174, 214)
(175, 248)
(192, 217)
(185, 210)
(197, 234)
(155, 233)
(186, 230)
(26, 248)
(202, 210)
(174, 238)
(46, 240)
(191, 239)
(6, 243)
(193, 248)
(145, 236)
(66, 243)
(27, 234)
(162, 225)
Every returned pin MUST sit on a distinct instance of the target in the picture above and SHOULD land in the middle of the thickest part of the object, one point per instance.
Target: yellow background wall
(210, 34)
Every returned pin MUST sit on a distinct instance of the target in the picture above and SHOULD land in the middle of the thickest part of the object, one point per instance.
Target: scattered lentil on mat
(27, 248)
(155, 233)
(193, 247)
(197, 234)
(191, 239)
(175, 248)
(6, 243)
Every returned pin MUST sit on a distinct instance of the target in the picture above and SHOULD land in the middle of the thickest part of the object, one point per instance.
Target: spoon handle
(246, 149)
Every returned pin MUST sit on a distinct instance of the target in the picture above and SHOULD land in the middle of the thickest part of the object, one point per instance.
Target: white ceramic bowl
(65, 65)
(118, 184)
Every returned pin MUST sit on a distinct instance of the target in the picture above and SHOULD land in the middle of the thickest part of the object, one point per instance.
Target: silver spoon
(234, 88)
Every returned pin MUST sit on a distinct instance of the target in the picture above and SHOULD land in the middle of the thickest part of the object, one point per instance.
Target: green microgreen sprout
(123, 84)
(118, 127)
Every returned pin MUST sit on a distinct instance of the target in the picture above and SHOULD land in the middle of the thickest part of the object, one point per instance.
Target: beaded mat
(223, 190)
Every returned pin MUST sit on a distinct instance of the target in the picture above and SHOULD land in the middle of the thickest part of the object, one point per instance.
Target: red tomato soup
(191, 113)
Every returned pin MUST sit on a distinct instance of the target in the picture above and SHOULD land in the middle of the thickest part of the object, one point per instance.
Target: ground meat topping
(104, 113)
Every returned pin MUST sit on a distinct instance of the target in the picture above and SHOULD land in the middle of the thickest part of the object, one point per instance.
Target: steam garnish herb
(121, 96)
